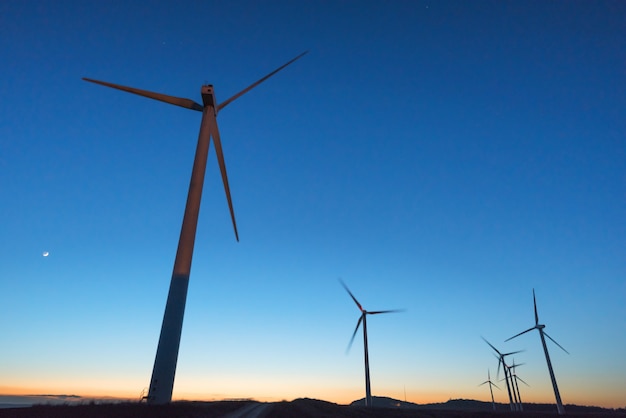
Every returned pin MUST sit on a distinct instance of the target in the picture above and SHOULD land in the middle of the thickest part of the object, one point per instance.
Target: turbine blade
(535, 303)
(517, 335)
(493, 384)
(253, 85)
(186, 103)
(220, 159)
(494, 349)
(546, 334)
(485, 382)
(521, 380)
(358, 324)
(511, 353)
(388, 311)
(351, 295)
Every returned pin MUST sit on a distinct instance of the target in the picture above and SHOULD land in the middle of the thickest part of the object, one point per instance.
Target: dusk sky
(442, 157)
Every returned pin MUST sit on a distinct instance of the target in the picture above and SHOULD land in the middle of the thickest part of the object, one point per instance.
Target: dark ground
(301, 408)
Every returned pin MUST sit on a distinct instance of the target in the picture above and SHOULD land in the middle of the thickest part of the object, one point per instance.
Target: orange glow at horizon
(336, 395)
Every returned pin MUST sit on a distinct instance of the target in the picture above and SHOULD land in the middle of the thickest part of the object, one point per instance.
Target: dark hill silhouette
(307, 408)
(478, 406)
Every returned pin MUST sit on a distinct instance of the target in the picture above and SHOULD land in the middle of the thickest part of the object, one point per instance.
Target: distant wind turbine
(515, 379)
(363, 318)
(501, 362)
(162, 382)
(488, 381)
(539, 327)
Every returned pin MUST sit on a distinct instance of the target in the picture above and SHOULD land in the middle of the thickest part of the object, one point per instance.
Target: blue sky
(442, 157)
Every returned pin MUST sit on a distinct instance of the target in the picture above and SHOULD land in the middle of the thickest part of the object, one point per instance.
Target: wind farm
(515, 379)
(507, 379)
(510, 376)
(542, 334)
(437, 156)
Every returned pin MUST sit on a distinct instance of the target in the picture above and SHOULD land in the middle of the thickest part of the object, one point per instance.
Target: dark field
(298, 408)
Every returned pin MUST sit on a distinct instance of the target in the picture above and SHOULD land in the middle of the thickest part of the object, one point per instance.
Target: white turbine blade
(490, 383)
(523, 332)
(389, 311)
(517, 364)
(499, 357)
(512, 352)
(494, 349)
(354, 333)
(186, 103)
(498, 369)
(535, 303)
(546, 334)
(220, 159)
(351, 295)
(256, 83)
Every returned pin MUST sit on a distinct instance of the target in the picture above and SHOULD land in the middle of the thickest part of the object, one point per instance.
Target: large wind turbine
(539, 327)
(501, 362)
(488, 381)
(162, 382)
(363, 318)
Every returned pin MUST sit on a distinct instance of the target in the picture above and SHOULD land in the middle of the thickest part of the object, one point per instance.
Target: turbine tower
(516, 404)
(363, 318)
(501, 362)
(162, 381)
(515, 379)
(539, 327)
(488, 381)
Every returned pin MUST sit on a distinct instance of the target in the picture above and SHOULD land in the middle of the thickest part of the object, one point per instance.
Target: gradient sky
(442, 157)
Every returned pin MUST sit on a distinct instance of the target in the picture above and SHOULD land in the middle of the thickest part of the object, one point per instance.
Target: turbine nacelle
(208, 97)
